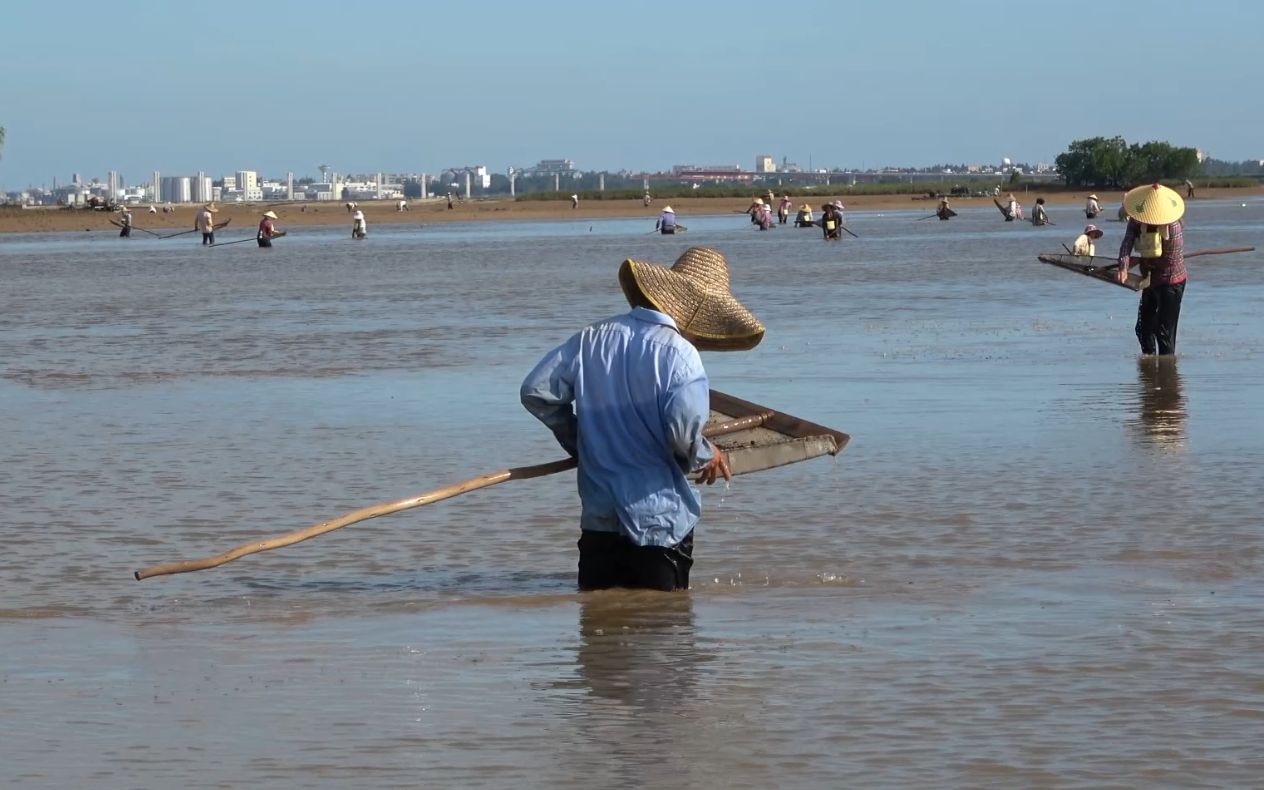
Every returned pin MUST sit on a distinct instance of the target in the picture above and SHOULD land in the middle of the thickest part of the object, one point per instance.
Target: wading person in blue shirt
(628, 397)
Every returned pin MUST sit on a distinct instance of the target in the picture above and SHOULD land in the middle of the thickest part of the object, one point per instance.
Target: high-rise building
(155, 188)
(112, 186)
(248, 184)
(764, 163)
(289, 186)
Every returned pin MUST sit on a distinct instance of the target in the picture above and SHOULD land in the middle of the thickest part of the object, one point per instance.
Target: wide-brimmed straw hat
(270, 214)
(838, 204)
(211, 208)
(1154, 204)
(695, 293)
(668, 210)
(1092, 197)
(759, 201)
(1093, 232)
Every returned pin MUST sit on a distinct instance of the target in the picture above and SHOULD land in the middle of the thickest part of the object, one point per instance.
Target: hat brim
(1096, 233)
(711, 321)
(1154, 204)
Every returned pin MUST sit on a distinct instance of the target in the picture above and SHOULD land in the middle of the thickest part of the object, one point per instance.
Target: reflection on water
(638, 648)
(1161, 419)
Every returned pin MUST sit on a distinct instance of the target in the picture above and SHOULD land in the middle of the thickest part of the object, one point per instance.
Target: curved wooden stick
(386, 508)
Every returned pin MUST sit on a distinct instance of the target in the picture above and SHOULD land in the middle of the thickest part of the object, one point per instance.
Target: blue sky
(412, 86)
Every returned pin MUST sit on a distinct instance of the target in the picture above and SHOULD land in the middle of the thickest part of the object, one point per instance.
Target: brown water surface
(1038, 563)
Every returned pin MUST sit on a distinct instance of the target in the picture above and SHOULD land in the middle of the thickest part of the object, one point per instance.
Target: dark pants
(208, 238)
(1157, 315)
(126, 232)
(666, 231)
(607, 559)
(264, 242)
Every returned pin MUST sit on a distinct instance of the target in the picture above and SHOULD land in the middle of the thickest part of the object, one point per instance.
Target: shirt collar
(653, 317)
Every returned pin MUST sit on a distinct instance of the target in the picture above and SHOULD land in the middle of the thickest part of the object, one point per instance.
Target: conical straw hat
(1154, 204)
(695, 293)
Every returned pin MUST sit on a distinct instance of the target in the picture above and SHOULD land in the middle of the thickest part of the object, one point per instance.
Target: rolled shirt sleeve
(686, 407)
(548, 392)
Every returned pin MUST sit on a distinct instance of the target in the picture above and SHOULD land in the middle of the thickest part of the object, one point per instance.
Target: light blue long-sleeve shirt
(641, 399)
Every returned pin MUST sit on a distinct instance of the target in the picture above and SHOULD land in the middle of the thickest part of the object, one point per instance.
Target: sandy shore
(246, 217)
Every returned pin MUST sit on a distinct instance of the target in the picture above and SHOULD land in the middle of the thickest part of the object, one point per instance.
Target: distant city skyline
(615, 87)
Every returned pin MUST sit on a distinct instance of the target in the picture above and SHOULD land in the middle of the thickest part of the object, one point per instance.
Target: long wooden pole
(373, 511)
(216, 226)
(1222, 251)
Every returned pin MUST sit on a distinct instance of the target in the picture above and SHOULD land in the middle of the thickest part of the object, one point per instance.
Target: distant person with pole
(783, 209)
(1091, 207)
(755, 209)
(1155, 234)
(944, 212)
(125, 229)
(205, 224)
(574, 201)
(359, 228)
(1189, 189)
(831, 222)
(666, 224)
(267, 231)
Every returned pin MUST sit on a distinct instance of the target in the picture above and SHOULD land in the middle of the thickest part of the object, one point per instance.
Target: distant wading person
(1038, 215)
(1084, 242)
(205, 224)
(1189, 189)
(628, 398)
(1091, 207)
(666, 224)
(944, 212)
(125, 232)
(1155, 235)
(783, 209)
(267, 231)
(831, 222)
(359, 228)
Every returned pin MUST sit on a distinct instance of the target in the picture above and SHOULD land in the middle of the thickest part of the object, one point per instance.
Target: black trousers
(208, 238)
(263, 242)
(126, 232)
(607, 559)
(1157, 316)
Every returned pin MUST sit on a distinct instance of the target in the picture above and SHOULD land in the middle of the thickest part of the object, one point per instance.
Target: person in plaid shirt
(1155, 236)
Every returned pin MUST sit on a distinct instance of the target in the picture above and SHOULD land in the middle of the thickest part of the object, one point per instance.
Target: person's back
(628, 376)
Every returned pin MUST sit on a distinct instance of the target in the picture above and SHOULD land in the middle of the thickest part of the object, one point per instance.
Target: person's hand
(718, 465)
(1122, 274)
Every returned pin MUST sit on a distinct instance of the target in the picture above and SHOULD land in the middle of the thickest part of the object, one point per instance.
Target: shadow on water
(1161, 401)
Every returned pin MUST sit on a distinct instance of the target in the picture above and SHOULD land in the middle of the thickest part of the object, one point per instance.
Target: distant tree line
(1111, 163)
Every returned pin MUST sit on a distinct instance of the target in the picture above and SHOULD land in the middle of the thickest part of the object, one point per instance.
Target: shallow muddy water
(1037, 564)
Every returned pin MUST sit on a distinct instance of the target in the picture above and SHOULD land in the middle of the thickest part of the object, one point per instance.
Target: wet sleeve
(686, 407)
(548, 392)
